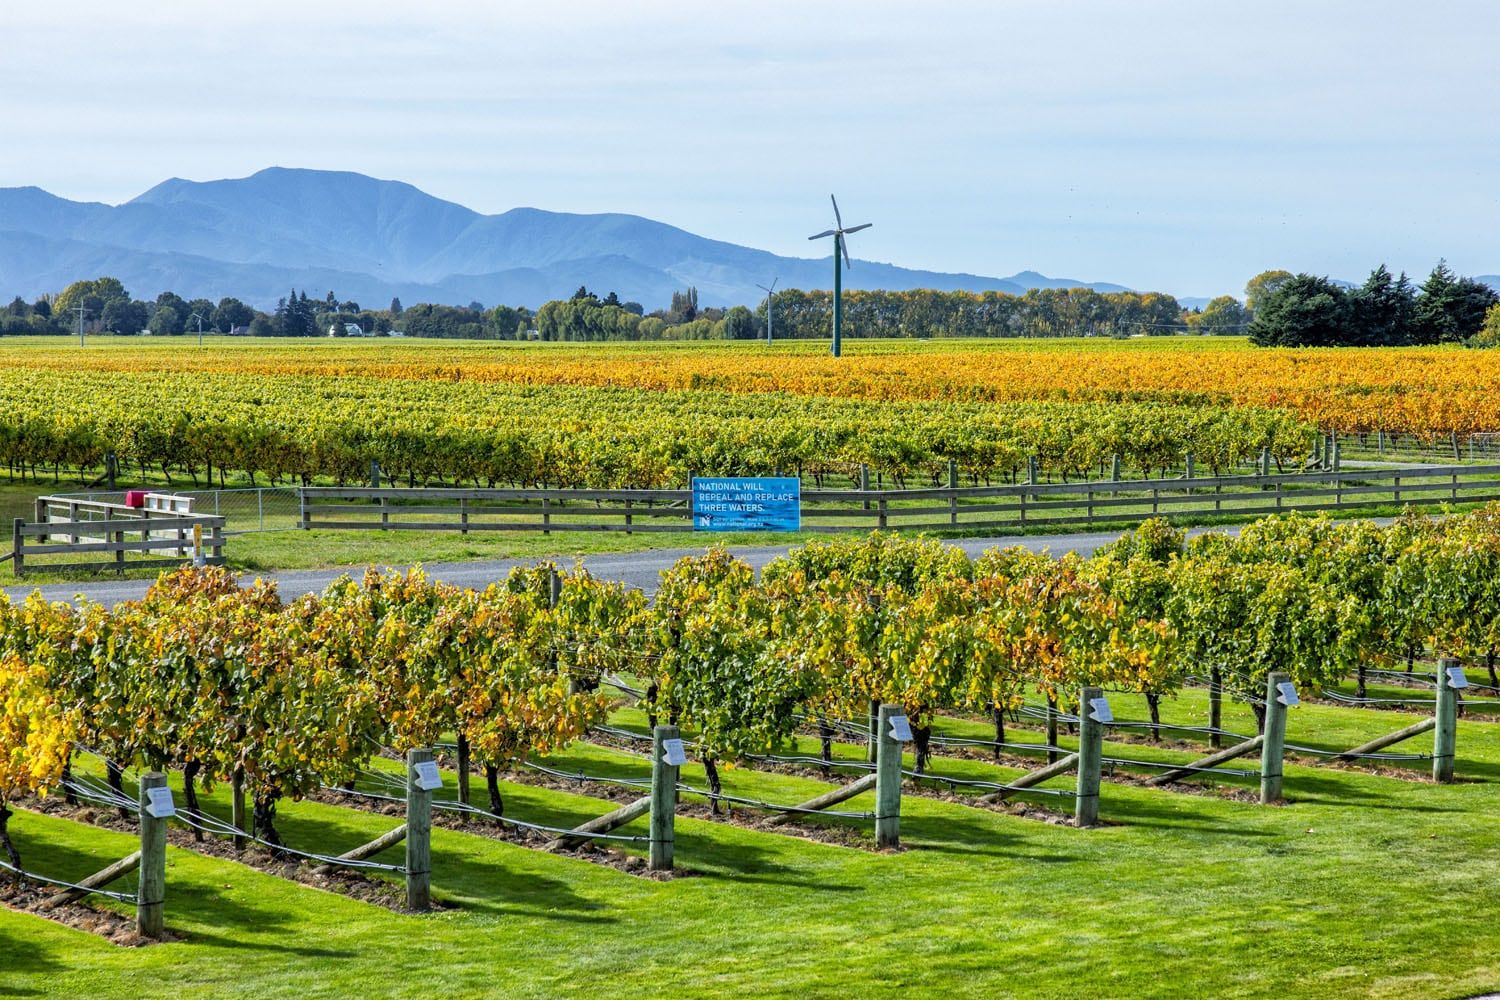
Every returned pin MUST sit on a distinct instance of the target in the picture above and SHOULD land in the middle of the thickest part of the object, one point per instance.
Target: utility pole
(199, 318)
(80, 309)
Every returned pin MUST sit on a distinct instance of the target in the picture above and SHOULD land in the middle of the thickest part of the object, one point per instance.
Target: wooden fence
(72, 526)
(950, 508)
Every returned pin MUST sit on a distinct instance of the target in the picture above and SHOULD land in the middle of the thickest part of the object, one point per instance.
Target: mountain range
(369, 240)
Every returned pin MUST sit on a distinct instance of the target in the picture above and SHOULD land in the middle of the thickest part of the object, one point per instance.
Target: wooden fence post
(418, 835)
(119, 538)
(663, 799)
(151, 890)
(1445, 732)
(18, 555)
(1272, 746)
(302, 521)
(1090, 750)
(953, 497)
(887, 781)
(1188, 472)
(1114, 467)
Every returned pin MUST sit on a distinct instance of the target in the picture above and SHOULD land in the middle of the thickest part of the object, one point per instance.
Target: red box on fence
(135, 498)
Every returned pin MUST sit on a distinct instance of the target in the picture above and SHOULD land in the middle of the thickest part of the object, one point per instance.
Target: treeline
(1303, 310)
(802, 315)
(1280, 309)
(103, 305)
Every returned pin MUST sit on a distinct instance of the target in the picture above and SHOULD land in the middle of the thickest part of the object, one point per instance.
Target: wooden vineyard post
(887, 781)
(418, 834)
(1052, 752)
(554, 587)
(1445, 732)
(1090, 750)
(663, 798)
(152, 888)
(237, 806)
(1215, 708)
(874, 742)
(1274, 741)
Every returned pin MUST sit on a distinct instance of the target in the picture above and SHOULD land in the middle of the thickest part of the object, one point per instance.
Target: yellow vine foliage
(36, 731)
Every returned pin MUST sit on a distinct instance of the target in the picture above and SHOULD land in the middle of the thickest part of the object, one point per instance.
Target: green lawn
(1362, 886)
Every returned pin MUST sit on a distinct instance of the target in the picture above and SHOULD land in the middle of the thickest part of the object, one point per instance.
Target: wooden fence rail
(1025, 505)
(89, 527)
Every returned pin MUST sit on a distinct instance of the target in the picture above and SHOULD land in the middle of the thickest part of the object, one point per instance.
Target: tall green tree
(1383, 310)
(1449, 308)
(1302, 311)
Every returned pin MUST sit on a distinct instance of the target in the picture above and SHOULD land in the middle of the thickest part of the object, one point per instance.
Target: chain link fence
(263, 508)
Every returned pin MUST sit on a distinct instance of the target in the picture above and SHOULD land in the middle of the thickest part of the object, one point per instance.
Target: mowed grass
(1362, 885)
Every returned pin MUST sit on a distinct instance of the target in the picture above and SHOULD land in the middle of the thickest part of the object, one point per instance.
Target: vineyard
(229, 683)
(649, 416)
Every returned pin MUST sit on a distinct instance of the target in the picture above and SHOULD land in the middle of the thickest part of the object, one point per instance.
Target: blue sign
(735, 504)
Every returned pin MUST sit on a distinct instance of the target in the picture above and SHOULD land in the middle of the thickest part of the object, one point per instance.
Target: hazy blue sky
(1173, 145)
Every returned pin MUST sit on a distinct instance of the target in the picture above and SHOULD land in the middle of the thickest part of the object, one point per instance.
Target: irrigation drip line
(123, 897)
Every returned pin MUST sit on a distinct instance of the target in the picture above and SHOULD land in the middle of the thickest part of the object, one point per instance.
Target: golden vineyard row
(1425, 391)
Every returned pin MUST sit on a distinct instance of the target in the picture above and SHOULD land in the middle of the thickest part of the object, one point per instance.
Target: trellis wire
(454, 805)
(123, 897)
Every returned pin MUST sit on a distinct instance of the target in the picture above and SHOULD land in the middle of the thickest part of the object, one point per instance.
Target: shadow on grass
(24, 957)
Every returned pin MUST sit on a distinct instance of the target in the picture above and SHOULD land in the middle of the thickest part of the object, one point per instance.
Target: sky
(1175, 146)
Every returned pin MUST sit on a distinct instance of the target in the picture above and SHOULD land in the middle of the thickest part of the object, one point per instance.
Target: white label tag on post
(1288, 694)
(673, 752)
(1099, 710)
(159, 803)
(900, 729)
(1457, 679)
(429, 779)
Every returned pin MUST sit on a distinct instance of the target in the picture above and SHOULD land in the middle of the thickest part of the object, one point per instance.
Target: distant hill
(367, 239)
